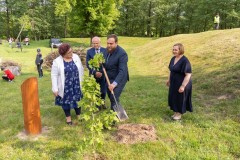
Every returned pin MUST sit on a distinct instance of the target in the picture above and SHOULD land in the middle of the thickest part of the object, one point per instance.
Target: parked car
(55, 42)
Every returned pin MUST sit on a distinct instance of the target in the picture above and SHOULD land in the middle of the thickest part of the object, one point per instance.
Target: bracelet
(182, 85)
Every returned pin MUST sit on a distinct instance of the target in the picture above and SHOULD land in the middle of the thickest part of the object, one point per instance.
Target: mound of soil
(8, 63)
(14, 67)
(135, 133)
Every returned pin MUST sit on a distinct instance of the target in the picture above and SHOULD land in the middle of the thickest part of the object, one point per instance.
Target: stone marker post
(31, 107)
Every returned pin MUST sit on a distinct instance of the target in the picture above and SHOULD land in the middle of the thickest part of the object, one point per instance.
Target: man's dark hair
(113, 36)
(2, 68)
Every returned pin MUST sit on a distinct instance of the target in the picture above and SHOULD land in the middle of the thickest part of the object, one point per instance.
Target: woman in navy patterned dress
(180, 83)
(66, 74)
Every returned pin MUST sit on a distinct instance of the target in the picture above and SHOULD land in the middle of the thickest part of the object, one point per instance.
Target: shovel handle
(105, 73)
(108, 82)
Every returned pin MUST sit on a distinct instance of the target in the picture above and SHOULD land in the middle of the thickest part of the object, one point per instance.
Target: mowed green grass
(212, 131)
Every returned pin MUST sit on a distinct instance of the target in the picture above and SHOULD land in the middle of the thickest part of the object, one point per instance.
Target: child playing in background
(39, 62)
(8, 76)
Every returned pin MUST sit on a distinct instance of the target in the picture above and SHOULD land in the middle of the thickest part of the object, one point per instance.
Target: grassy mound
(212, 131)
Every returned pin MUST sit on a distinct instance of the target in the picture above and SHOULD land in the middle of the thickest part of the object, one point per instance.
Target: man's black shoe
(104, 106)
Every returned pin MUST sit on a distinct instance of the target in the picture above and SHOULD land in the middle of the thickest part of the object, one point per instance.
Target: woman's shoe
(104, 106)
(175, 113)
(178, 116)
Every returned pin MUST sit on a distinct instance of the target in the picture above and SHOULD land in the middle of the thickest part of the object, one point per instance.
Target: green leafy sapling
(97, 61)
(94, 121)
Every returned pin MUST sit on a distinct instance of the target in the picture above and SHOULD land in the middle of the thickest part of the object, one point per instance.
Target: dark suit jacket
(90, 54)
(116, 66)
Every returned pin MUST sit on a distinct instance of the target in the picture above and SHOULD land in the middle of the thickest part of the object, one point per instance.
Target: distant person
(66, 74)
(180, 83)
(98, 75)
(216, 21)
(19, 45)
(10, 40)
(26, 40)
(116, 68)
(8, 75)
(39, 62)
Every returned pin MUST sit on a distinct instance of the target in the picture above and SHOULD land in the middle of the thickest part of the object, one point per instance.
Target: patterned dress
(72, 90)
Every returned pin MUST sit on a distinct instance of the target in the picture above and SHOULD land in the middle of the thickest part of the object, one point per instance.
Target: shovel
(121, 113)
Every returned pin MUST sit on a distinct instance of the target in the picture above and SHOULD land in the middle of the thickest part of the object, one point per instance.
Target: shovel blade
(121, 113)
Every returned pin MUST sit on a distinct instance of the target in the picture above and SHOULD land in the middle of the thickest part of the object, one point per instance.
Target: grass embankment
(212, 131)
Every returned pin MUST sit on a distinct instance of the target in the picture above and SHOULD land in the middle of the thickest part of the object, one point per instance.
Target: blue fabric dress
(72, 91)
(180, 102)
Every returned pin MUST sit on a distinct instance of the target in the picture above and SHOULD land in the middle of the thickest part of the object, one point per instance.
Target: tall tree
(94, 17)
(74, 18)
(63, 8)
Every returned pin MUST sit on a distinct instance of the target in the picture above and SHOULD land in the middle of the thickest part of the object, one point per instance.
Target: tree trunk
(8, 19)
(91, 36)
(126, 22)
(190, 21)
(177, 19)
(161, 32)
(65, 26)
(20, 32)
(149, 19)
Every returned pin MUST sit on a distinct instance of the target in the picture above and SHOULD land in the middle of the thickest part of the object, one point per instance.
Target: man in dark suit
(116, 67)
(98, 75)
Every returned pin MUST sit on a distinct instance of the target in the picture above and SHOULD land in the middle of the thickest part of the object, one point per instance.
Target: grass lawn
(212, 131)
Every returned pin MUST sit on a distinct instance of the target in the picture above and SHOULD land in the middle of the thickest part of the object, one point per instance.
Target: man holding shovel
(116, 68)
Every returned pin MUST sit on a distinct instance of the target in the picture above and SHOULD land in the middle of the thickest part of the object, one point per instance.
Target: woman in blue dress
(67, 74)
(180, 83)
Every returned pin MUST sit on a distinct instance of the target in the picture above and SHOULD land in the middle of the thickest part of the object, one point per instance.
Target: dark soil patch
(95, 157)
(135, 133)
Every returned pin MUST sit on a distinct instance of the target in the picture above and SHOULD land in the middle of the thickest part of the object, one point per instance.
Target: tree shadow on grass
(59, 149)
(146, 98)
(217, 92)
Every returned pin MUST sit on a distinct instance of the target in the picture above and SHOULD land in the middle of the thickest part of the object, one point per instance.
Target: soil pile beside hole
(135, 133)
(95, 157)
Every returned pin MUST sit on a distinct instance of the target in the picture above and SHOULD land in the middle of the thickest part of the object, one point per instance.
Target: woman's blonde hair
(181, 48)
